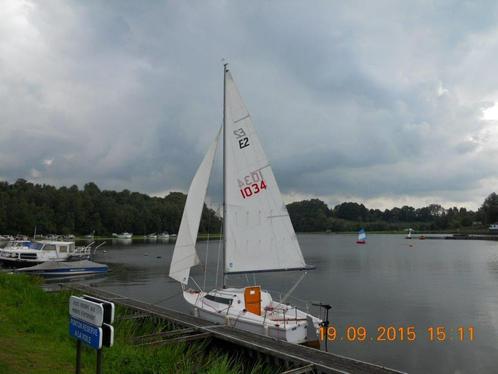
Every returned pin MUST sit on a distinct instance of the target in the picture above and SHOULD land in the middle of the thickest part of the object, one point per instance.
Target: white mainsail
(259, 233)
(184, 254)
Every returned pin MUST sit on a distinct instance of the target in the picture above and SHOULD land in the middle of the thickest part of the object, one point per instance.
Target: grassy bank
(34, 338)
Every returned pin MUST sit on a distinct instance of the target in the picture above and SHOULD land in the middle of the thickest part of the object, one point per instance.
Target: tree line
(315, 215)
(24, 206)
(69, 210)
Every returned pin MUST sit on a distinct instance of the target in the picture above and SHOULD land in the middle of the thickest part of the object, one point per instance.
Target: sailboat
(257, 234)
(409, 236)
(362, 236)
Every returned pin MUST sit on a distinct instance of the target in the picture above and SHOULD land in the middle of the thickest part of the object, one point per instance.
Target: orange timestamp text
(397, 334)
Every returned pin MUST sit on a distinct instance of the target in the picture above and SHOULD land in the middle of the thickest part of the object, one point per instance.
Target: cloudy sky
(385, 103)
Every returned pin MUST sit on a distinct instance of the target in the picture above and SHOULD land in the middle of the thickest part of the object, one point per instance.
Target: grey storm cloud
(378, 102)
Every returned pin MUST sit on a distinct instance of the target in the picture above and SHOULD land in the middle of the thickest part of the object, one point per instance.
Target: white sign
(108, 308)
(86, 310)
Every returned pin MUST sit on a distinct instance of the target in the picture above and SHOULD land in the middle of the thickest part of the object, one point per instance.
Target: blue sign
(87, 333)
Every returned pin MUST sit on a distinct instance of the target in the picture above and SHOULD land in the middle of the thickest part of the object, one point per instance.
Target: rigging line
(205, 265)
(286, 296)
(193, 280)
(207, 253)
(167, 298)
(219, 251)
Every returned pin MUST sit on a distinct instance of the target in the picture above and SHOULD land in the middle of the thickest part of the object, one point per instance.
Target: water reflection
(116, 241)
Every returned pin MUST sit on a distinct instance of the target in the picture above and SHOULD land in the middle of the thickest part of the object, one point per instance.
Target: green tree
(489, 209)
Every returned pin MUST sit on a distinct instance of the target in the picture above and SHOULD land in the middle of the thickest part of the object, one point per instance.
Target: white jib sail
(259, 233)
(184, 254)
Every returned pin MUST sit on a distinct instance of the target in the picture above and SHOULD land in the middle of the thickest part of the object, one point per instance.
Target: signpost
(86, 310)
(88, 334)
(90, 323)
(106, 305)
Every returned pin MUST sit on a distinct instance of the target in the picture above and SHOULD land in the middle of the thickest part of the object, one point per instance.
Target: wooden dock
(298, 358)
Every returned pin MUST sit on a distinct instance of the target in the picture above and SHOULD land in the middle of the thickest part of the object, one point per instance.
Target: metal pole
(225, 69)
(326, 325)
(99, 361)
(78, 356)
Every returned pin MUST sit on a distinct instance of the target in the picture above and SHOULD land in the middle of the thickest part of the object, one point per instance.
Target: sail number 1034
(251, 184)
(253, 189)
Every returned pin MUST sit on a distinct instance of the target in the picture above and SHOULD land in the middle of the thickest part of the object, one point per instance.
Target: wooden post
(78, 356)
(99, 361)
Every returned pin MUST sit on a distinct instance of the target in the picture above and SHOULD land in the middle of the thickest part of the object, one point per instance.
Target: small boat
(90, 236)
(124, 235)
(164, 236)
(22, 253)
(258, 235)
(53, 269)
(151, 236)
(362, 237)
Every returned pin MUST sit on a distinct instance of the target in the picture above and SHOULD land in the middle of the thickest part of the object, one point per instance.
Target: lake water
(390, 281)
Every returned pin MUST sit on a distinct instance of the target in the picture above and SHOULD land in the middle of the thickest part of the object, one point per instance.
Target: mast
(225, 69)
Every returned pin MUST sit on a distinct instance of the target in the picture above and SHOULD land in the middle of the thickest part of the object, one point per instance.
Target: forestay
(259, 233)
(184, 254)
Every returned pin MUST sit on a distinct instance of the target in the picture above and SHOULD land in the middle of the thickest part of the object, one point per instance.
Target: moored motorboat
(124, 235)
(164, 236)
(90, 236)
(57, 269)
(22, 253)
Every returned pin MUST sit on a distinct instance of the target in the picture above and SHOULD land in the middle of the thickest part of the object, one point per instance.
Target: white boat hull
(297, 336)
(290, 330)
(57, 269)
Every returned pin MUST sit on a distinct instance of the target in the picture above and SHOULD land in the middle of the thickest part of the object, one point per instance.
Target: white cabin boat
(258, 234)
(164, 236)
(124, 235)
(21, 253)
